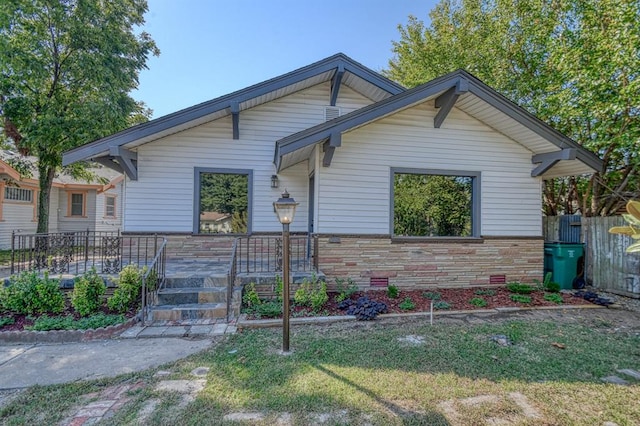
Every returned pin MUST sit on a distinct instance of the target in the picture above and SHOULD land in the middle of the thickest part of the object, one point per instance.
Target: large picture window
(223, 201)
(435, 203)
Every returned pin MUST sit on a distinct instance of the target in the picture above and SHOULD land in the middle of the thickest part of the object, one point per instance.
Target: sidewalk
(24, 365)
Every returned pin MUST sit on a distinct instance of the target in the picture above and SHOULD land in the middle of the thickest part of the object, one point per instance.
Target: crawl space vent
(497, 279)
(379, 282)
(331, 112)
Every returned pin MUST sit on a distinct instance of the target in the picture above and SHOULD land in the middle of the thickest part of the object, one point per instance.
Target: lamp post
(285, 209)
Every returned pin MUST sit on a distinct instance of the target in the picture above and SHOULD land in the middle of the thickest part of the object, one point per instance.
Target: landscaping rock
(615, 380)
(501, 340)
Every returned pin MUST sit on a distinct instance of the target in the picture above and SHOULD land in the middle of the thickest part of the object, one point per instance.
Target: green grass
(364, 373)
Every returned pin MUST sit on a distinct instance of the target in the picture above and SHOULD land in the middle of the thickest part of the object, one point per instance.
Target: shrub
(432, 295)
(478, 301)
(127, 294)
(520, 288)
(485, 292)
(87, 293)
(392, 292)
(277, 288)
(407, 304)
(6, 321)
(364, 308)
(442, 305)
(312, 293)
(345, 291)
(547, 284)
(30, 294)
(268, 309)
(520, 298)
(250, 297)
(554, 297)
(45, 323)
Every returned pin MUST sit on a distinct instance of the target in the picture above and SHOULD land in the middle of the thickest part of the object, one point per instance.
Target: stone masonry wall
(184, 246)
(430, 264)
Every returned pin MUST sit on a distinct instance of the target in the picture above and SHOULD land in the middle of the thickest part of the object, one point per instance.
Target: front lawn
(387, 373)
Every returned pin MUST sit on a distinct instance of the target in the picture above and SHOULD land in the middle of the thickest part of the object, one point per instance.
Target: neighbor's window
(434, 204)
(110, 206)
(18, 194)
(223, 201)
(77, 204)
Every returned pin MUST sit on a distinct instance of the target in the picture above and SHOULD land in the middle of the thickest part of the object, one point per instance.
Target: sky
(210, 48)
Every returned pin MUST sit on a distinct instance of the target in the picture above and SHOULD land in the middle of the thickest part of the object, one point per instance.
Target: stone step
(188, 312)
(210, 281)
(190, 295)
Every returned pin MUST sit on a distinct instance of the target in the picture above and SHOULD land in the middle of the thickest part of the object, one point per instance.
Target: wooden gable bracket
(329, 147)
(128, 160)
(109, 162)
(447, 100)
(235, 119)
(549, 159)
(335, 85)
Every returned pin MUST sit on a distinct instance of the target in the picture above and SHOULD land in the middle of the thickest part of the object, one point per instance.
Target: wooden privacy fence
(608, 266)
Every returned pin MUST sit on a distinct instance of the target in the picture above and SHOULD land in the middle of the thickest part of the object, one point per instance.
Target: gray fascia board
(198, 111)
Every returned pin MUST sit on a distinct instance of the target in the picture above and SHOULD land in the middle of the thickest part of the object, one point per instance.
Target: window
(18, 194)
(76, 204)
(110, 206)
(223, 201)
(435, 203)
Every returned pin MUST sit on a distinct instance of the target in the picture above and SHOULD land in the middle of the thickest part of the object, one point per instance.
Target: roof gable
(338, 68)
(470, 95)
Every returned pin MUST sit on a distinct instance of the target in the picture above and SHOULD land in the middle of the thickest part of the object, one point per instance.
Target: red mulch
(458, 299)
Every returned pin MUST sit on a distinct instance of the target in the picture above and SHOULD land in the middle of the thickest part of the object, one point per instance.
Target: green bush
(554, 297)
(485, 292)
(312, 293)
(520, 288)
(432, 295)
(30, 294)
(6, 321)
(520, 298)
(392, 292)
(442, 305)
(45, 323)
(129, 289)
(88, 289)
(250, 297)
(407, 304)
(478, 301)
(268, 309)
(277, 288)
(552, 287)
(345, 288)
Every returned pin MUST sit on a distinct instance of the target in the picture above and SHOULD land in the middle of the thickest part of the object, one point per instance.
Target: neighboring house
(363, 157)
(75, 205)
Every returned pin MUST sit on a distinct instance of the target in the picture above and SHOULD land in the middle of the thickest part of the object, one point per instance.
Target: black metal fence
(76, 252)
(263, 254)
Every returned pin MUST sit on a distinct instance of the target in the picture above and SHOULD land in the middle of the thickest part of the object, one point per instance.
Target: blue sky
(213, 47)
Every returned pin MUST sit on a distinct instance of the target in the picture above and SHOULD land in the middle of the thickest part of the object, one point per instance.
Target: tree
(573, 63)
(66, 69)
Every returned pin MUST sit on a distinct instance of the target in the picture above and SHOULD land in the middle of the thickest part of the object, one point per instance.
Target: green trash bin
(564, 261)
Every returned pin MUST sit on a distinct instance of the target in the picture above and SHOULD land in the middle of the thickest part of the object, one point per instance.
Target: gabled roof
(473, 97)
(353, 74)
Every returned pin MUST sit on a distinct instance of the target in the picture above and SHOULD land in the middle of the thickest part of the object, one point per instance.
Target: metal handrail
(231, 275)
(158, 264)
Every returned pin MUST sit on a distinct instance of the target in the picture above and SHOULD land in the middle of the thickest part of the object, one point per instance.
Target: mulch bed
(458, 299)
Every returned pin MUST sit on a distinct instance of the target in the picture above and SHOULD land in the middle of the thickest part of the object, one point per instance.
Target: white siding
(67, 223)
(354, 193)
(162, 198)
(109, 224)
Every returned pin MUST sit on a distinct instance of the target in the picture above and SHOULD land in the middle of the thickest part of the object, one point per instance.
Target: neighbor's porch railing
(153, 279)
(76, 252)
(263, 254)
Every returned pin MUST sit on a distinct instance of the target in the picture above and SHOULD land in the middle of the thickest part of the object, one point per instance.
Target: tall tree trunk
(47, 173)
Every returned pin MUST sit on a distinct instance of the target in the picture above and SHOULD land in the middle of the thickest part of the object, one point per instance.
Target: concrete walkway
(24, 365)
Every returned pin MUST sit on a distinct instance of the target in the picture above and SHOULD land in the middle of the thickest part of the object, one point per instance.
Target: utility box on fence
(564, 261)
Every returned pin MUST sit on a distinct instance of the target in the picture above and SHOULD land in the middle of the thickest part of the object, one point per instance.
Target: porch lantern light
(285, 209)
(274, 181)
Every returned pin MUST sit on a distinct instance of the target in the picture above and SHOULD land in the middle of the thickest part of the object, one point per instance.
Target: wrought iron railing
(153, 279)
(263, 253)
(231, 277)
(76, 252)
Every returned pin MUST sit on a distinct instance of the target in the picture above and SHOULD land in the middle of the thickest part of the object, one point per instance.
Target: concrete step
(188, 312)
(190, 295)
(211, 281)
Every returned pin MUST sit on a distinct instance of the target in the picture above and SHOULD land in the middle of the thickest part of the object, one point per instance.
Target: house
(439, 185)
(75, 205)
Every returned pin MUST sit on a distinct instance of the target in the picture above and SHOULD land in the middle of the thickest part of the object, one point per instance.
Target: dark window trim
(475, 200)
(196, 195)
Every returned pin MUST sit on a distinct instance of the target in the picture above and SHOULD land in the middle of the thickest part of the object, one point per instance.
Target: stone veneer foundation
(411, 264)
